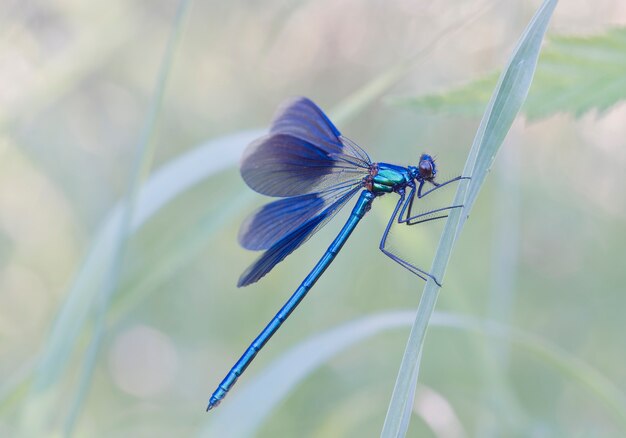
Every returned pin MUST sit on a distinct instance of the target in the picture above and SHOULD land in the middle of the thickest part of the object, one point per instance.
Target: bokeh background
(543, 251)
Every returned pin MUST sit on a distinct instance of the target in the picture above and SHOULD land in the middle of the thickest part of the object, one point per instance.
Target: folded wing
(284, 243)
(275, 220)
(303, 153)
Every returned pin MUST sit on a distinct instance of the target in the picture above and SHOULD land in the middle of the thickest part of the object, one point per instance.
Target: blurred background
(121, 123)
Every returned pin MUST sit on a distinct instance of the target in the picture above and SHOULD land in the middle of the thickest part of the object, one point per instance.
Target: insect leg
(406, 214)
(411, 268)
(412, 219)
(437, 186)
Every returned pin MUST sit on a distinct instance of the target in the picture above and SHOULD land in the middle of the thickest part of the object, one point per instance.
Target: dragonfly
(315, 170)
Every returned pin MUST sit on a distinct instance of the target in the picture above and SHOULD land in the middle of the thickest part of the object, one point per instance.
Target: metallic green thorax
(388, 177)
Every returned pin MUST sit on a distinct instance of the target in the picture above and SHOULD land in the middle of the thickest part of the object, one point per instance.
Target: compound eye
(426, 169)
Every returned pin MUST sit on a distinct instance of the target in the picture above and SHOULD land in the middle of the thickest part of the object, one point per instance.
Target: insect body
(305, 161)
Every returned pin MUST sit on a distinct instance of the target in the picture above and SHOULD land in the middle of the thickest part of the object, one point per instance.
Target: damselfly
(315, 170)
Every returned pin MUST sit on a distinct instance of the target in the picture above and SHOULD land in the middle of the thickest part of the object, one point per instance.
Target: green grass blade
(42, 409)
(505, 104)
(503, 107)
(142, 166)
(243, 412)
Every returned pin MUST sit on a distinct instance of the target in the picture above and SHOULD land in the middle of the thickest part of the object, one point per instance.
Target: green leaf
(574, 75)
(502, 109)
(244, 412)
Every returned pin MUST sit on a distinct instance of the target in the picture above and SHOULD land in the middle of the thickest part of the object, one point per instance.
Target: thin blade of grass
(244, 412)
(42, 411)
(142, 166)
(503, 107)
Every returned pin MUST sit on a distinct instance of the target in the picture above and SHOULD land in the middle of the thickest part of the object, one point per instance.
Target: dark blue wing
(275, 220)
(290, 242)
(303, 153)
(301, 118)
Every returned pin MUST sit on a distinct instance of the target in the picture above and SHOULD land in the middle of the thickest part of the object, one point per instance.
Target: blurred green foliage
(575, 74)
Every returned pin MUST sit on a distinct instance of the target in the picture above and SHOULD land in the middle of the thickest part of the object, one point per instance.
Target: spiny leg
(407, 211)
(411, 220)
(411, 268)
(421, 195)
(437, 186)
